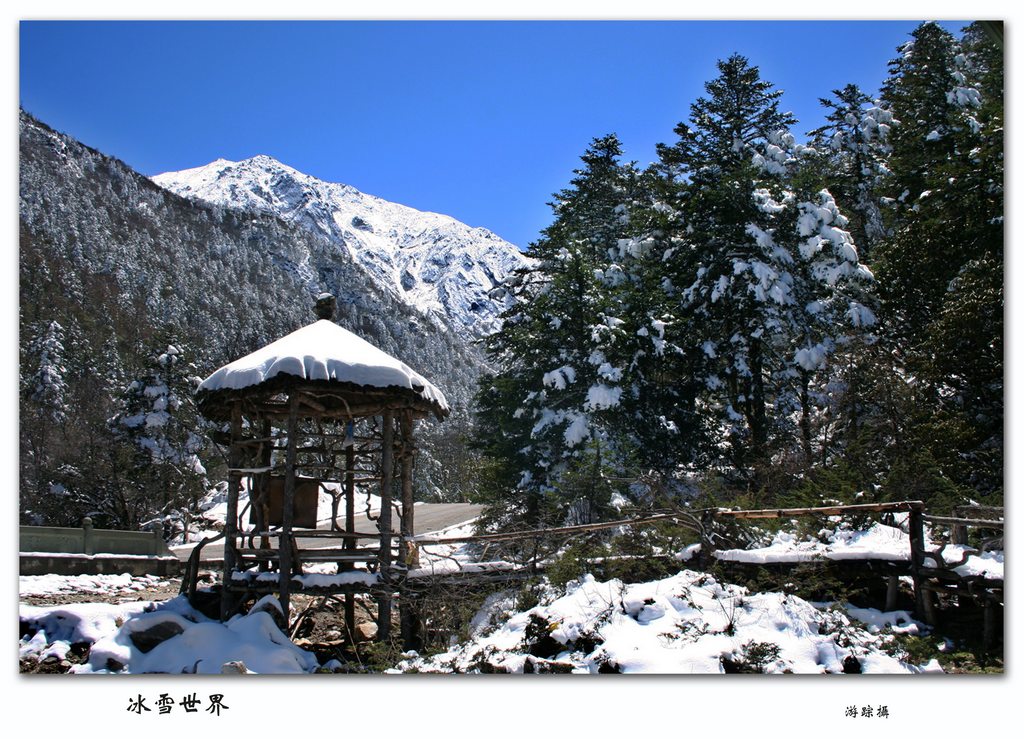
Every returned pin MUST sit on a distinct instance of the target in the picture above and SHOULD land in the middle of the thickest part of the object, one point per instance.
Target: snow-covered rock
(167, 637)
(438, 265)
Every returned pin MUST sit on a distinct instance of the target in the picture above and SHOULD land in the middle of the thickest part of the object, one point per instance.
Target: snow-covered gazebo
(318, 412)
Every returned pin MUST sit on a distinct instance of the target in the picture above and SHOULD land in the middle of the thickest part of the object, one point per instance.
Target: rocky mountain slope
(229, 280)
(443, 268)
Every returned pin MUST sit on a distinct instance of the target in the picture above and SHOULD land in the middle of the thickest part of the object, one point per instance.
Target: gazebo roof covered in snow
(338, 371)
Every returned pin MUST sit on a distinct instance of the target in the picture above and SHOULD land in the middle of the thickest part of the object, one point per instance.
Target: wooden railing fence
(929, 570)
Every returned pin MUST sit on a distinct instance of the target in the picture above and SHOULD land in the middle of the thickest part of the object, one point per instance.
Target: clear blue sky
(479, 120)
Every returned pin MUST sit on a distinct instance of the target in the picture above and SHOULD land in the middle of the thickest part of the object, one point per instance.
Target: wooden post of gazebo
(231, 515)
(350, 520)
(384, 522)
(288, 504)
(408, 613)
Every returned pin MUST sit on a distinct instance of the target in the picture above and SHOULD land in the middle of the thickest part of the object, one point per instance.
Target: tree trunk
(805, 414)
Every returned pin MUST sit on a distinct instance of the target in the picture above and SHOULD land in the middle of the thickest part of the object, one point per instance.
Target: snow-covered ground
(124, 584)
(688, 623)
(685, 624)
(168, 637)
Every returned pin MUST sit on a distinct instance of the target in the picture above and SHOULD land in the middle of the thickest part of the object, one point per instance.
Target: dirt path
(161, 590)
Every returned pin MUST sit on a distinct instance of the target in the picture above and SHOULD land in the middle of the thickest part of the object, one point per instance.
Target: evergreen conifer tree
(46, 386)
(769, 277)
(158, 418)
(659, 404)
(854, 149)
(941, 272)
(44, 408)
(551, 408)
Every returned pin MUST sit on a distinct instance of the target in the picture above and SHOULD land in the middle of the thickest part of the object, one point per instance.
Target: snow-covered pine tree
(925, 96)
(712, 166)
(935, 131)
(46, 386)
(663, 381)
(833, 315)
(948, 160)
(44, 406)
(159, 419)
(854, 149)
(769, 278)
(941, 272)
(553, 403)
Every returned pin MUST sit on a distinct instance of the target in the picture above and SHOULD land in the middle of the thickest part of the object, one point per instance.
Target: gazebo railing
(253, 548)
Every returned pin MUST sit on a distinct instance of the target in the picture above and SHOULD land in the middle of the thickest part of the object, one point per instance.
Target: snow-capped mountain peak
(440, 266)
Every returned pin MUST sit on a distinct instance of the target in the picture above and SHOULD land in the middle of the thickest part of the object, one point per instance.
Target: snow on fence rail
(699, 520)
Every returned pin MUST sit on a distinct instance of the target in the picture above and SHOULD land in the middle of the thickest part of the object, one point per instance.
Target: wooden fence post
(916, 530)
(707, 545)
(350, 521)
(988, 633)
(407, 610)
(892, 592)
